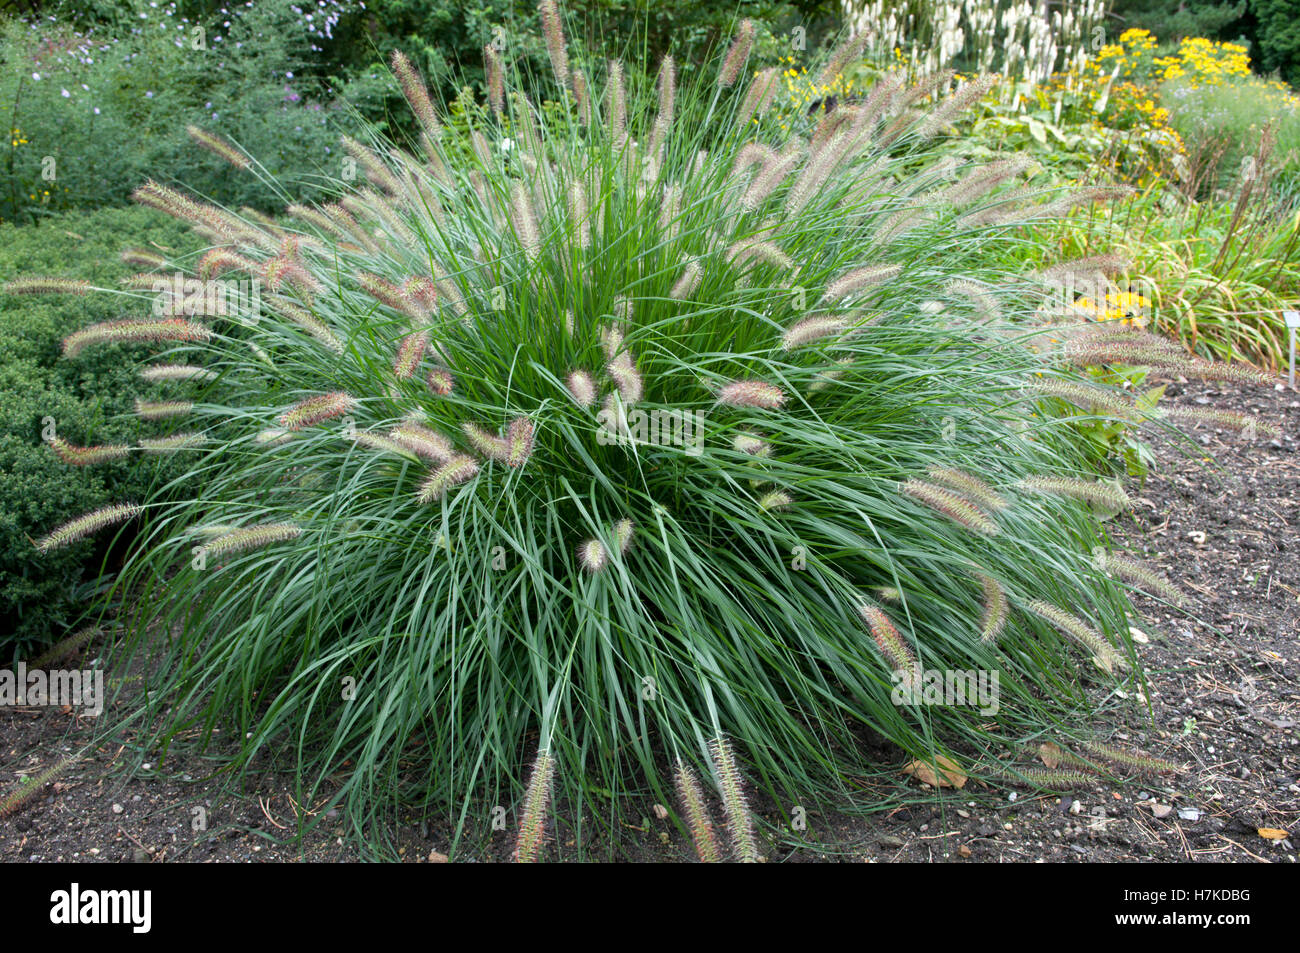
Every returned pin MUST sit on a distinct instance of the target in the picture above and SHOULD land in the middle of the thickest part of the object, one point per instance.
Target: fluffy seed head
(172, 443)
(858, 280)
(88, 523)
(1088, 637)
(163, 409)
(409, 354)
(740, 822)
(251, 537)
(417, 94)
(553, 32)
(774, 500)
(314, 410)
(423, 442)
(454, 472)
(697, 815)
(956, 508)
(87, 456)
(582, 388)
(1132, 759)
(891, 643)
(994, 617)
(972, 487)
(537, 797)
(592, 555)
(42, 285)
(688, 282)
(1139, 574)
(810, 330)
(130, 330)
(751, 393)
(1104, 494)
(441, 382)
(737, 54)
(218, 147)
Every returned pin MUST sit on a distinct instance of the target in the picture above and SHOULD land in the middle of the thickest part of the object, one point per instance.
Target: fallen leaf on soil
(963, 851)
(1050, 752)
(660, 811)
(1161, 810)
(953, 776)
(437, 858)
(1272, 833)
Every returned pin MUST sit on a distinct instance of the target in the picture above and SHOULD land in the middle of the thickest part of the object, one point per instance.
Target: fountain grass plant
(618, 451)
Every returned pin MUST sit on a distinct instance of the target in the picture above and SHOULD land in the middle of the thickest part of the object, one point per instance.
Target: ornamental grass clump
(682, 397)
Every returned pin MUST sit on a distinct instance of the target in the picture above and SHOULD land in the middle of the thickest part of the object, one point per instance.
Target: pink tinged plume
(86, 456)
(162, 410)
(630, 386)
(131, 330)
(593, 556)
(314, 410)
(409, 354)
(519, 441)
(454, 472)
(441, 382)
(751, 394)
(582, 388)
(423, 442)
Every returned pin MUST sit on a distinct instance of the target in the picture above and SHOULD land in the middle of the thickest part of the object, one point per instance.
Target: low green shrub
(43, 396)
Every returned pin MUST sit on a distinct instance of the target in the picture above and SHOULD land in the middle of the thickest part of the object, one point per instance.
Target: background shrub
(90, 402)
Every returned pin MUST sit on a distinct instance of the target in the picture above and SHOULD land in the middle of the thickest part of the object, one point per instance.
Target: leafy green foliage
(86, 403)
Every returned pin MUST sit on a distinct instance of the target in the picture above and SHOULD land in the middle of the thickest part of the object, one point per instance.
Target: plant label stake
(1292, 319)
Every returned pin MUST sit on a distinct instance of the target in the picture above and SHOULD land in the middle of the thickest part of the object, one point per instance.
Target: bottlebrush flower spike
(748, 443)
(1085, 397)
(1052, 779)
(410, 352)
(417, 95)
(130, 330)
(626, 378)
(858, 280)
(1132, 759)
(688, 283)
(88, 523)
(1097, 492)
(525, 222)
(775, 500)
(29, 788)
(582, 99)
(454, 472)
(422, 292)
(387, 293)
(441, 382)
(280, 271)
(1223, 418)
(810, 330)
(216, 261)
(1088, 637)
(44, 285)
(314, 410)
(956, 508)
(162, 410)
(751, 393)
(487, 444)
(1140, 574)
(423, 442)
(765, 252)
(994, 617)
(143, 258)
(272, 437)
(537, 797)
(381, 442)
(972, 487)
(373, 166)
(892, 646)
(495, 78)
(311, 324)
(218, 147)
(696, 813)
(582, 388)
(616, 102)
(593, 555)
(519, 441)
(737, 54)
(759, 96)
(251, 537)
(172, 443)
(740, 823)
(553, 33)
(623, 530)
(87, 456)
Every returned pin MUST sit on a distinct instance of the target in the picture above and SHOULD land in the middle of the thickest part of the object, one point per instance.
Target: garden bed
(1223, 691)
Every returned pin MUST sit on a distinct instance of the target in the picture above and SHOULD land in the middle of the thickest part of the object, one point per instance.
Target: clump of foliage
(47, 400)
(631, 450)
